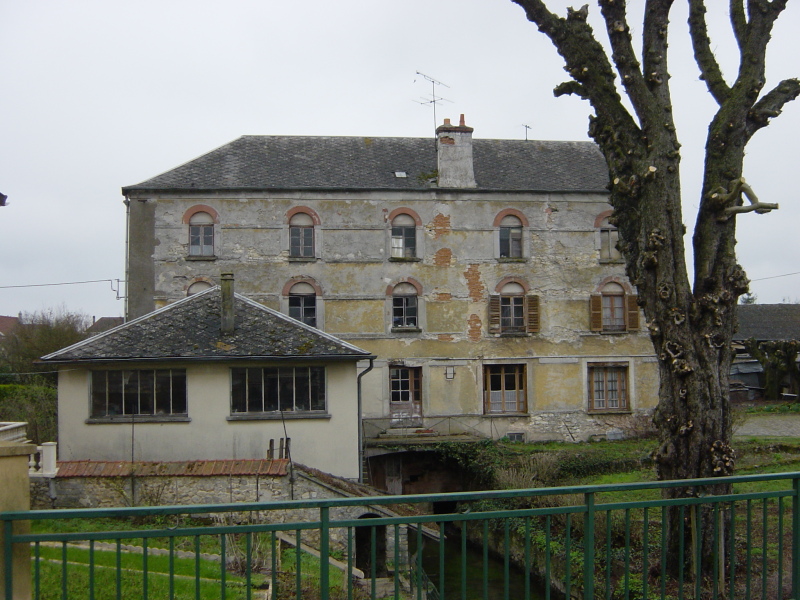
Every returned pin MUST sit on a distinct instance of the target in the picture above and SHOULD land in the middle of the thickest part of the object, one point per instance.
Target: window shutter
(596, 312)
(633, 313)
(494, 314)
(533, 314)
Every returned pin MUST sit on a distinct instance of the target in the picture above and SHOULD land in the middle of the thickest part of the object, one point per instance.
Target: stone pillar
(15, 495)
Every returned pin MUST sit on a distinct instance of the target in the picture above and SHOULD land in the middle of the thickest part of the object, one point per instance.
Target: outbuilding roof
(768, 322)
(257, 162)
(190, 329)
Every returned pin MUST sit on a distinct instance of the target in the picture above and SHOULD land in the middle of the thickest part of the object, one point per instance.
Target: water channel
(477, 565)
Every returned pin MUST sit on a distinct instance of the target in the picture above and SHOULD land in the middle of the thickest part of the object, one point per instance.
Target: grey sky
(99, 94)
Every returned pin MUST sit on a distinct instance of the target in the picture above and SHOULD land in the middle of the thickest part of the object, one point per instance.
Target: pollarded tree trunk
(691, 326)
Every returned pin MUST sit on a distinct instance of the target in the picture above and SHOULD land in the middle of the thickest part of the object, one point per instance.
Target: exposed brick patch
(474, 328)
(475, 287)
(444, 337)
(448, 141)
(443, 257)
(443, 297)
(439, 225)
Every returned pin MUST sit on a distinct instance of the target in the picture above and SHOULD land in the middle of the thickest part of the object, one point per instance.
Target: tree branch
(709, 67)
(738, 22)
(740, 186)
(624, 57)
(771, 104)
(654, 49)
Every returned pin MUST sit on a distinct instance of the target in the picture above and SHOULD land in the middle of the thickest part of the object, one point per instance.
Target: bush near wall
(36, 405)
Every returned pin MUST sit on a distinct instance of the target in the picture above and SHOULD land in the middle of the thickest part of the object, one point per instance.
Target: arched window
(301, 235)
(405, 310)
(614, 310)
(511, 237)
(303, 303)
(197, 287)
(404, 236)
(201, 234)
(512, 310)
(609, 237)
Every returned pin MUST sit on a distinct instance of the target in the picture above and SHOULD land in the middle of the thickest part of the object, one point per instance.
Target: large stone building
(483, 274)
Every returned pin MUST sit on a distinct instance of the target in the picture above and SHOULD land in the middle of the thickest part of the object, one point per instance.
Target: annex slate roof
(277, 467)
(190, 330)
(768, 322)
(360, 163)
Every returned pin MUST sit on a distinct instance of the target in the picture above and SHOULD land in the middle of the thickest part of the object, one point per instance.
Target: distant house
(104, 324)
(763, 323)
(7, 325)
(212, 377)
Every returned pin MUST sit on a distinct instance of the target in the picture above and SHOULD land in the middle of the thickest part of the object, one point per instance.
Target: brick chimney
(454, 155)
(227, 303)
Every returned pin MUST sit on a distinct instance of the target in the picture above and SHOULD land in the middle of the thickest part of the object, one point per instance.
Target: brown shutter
(633, 313)
(596, 312)
(494, 314)
(533, 313)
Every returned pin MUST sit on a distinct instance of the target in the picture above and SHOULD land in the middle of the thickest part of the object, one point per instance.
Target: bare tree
(690, 324)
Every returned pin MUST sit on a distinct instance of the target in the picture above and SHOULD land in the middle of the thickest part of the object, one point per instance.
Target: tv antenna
(527, 127)
(433, 100)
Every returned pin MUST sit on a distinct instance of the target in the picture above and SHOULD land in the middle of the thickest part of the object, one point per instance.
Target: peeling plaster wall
(458, 268)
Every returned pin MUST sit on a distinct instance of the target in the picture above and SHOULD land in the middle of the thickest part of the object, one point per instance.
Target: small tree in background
(779, 361)
(37, 334)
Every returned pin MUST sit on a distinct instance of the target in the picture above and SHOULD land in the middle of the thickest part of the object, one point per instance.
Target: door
(405, 398)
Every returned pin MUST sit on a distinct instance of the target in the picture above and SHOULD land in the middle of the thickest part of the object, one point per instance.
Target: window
(404, 384)
(505, 389)
(512, 311)
(613, 310)
(301, 236)
(608, 387)
(510, 237)
(405, 313)
(138, 392)
(201, 234)
(303, 303)
(197, 287)
(404, 236)
(609, 236)
(277, 389)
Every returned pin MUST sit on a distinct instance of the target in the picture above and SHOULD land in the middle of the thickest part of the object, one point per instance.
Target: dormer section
(454, 155)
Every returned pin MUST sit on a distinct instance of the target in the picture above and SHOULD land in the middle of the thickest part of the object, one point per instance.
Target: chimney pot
(461, 121)
(447, 121)
(226, 287)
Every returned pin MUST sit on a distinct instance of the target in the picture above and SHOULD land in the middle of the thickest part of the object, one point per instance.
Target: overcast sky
(99, 94)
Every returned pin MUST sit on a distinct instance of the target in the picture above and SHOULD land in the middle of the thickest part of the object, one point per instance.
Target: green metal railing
(592, 541)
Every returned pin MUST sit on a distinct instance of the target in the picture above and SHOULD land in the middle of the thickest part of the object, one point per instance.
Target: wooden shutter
(596, 312)
(494, 314)
(633, 312)
(533, 313)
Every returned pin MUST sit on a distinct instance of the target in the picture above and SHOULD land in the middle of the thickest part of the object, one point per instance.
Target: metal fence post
(588, 548)
(324, 551)
(795, 538)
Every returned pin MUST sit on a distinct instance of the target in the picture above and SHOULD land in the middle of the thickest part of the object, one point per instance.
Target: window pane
(271, 403)
(302, 389)
(99, 394)
(317, 388)
(255, 391)
(130, 383)
(238, 390)
(146, 391)
(179, 395)
(286, 389)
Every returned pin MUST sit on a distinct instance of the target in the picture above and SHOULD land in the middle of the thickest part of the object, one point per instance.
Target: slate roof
(768, 322)
(190, 330)
(277, 467)
(359, 163)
